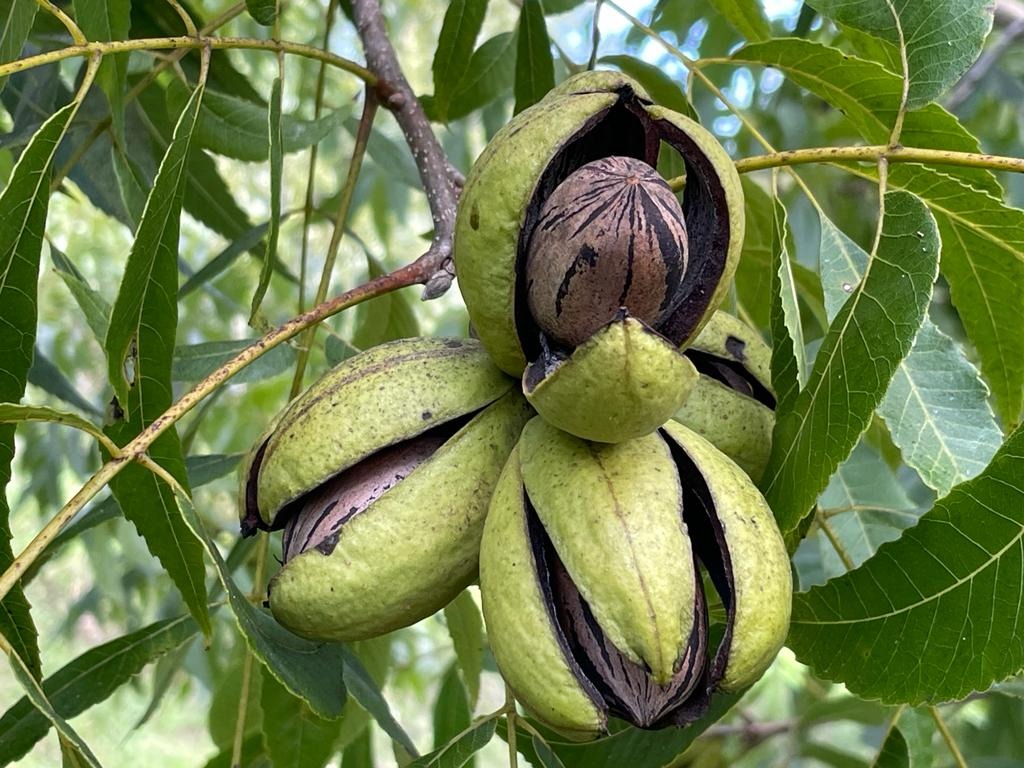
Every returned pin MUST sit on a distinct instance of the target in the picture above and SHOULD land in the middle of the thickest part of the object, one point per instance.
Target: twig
(344, 204)
(397, 96)
(510, 721)
(874, 152)
(947, 736)
(984, 64)
(411, 274)
(318, 104)
(833, 539)
(63, 18)
(184, 41)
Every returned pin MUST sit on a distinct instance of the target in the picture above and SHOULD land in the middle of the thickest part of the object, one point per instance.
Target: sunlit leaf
(942, 39)
(869, 337)
(789, 364)
(936, 406)
(932, 616)
(745, 16)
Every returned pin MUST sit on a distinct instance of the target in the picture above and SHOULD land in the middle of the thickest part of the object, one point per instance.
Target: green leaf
(869, 337)
(392, 156)
(789, 362)
(865, 506)
(983, 260)
(918, 730)
(936, 407)
(293, 733)
(236, 127)
(93, 305)
(929, 617)
(466, 628)
(13, 413)
(894, 753)
(140, 345)
(46, 375)
(263, 11)
(869, 96)
(745, 16)
(247, 241)
(312, 671)
(15, 24)
(194, 362)
(490, 74)
(359, 754)
(365, 690)
(88, 680)
(24, 201)
(546, 757)
(663, 89)
(452, 714)
(942, 39)
(458, 752)
(207, 197)
(462, 22)
(201, 470)
(639, 748)
(535, 68)
(73, 748)
(104, 20)
(384, 318)
(276, 160)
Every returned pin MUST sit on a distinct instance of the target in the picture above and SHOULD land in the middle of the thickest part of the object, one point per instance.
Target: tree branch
(439, 183)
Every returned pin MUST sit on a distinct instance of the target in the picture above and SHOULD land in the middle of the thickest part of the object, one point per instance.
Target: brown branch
(397, 95)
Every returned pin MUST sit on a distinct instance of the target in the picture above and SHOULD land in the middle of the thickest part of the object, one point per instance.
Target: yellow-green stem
(184, 41)
(872, 153)
(947, 736)
(411, 274)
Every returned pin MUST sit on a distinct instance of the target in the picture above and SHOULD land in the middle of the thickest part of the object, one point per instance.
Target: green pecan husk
(595, 570)
(629, 376)
(380, 475)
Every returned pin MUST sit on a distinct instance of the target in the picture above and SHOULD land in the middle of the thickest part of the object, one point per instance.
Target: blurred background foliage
(102, 583)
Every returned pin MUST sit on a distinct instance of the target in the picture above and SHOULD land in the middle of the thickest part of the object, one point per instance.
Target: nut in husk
(732, 405)
(379, 475)
(567, 240)
(597, 566)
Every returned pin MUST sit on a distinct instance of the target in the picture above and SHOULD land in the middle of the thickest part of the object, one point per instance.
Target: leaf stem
(318, 104)
(510, 720)
(63, 18)
(833, 539)
(872, 153)
(947, 736)
(184, 42)
(344, 205)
